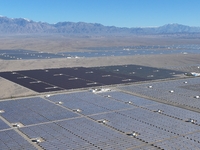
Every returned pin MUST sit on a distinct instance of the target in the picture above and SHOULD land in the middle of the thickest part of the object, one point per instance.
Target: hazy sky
(121, 13)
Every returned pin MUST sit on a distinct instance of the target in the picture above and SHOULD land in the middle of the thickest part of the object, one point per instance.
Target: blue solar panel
(3, 125)
(120, 96)
(176, 112)
(89, 102)
(194, 137)
(76, 103)
(178, 143)
(112, 123)
(10, 140)
(33, 110)
(146, 147)
(80, 133)
(183, 93)
(151, 126)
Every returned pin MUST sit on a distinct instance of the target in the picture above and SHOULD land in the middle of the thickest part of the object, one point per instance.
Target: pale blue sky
(121, 13)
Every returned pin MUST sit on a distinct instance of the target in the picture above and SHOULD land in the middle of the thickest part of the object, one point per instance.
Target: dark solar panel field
(103, 121)
(27, 54)
(20, 54)
(64, 78)
(147, 73)
(114, 52)
(73, 78)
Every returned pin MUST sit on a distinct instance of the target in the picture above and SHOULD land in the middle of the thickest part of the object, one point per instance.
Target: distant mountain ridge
(25, 26)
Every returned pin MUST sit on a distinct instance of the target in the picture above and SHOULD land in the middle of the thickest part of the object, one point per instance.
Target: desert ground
(67, 43)
(60, 43)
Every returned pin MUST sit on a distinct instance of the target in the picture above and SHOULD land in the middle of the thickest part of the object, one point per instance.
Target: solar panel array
(127, 52)
(104, 120)
(130, 99)
(174, 112)
(147, 47)
(150, 126)
(88, 103)
(182, 92)
(186, 68)
(33, 111)
(178, 143)
(10, 140)
(143, 72)
(79, 133)
(66, 78)
(48, 80)
(20, 54)
(27, 54)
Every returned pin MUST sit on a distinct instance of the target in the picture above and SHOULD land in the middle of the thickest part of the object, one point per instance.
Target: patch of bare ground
(160, 61)
(10, 90)
(63, 43)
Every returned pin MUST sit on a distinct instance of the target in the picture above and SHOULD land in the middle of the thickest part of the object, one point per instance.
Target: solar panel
(151, 126)
(88, 102)
(105, 120)
(77, 103)
(178, 143)
(183, 94)
(10, 140)
(80, 133)
(81, 77)
(33, 110)
(102, 52)
(175, 112)
(120, 96)
(146, 147)
(3, 125)
(27, 54)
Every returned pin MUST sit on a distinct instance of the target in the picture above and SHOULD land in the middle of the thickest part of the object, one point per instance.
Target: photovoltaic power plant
(27, 54)
(149, 109)
(101, 120)
(21, 54)
(182, 92)
(80, 77)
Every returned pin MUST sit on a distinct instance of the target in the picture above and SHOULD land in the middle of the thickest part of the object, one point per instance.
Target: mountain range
(24, 26)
